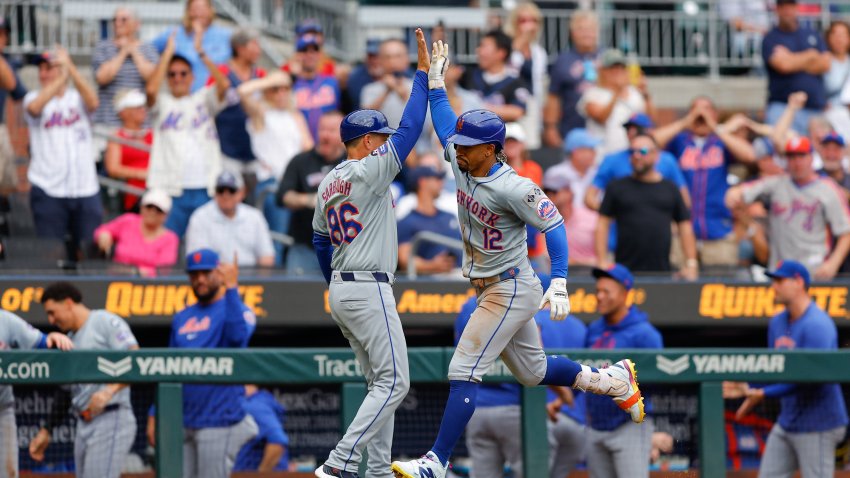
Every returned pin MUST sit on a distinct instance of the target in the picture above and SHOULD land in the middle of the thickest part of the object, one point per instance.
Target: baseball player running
(106, 426)
(355, 235)
(494, 206)
(16, 333)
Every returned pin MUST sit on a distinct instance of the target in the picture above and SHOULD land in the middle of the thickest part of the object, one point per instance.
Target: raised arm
(155, 82)
(442, 115)
(221, 81)
(87, 93)
(36, 106)
(248, 90)
(413, 118)
(7, 76)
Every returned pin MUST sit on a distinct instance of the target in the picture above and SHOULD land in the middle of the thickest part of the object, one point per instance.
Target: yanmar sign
(168, 366)
(704, 364)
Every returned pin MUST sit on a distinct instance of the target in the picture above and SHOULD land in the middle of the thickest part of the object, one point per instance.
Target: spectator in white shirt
(185, 155)
(64, 196)
(228, 226)
(611, 103)
(278, 132)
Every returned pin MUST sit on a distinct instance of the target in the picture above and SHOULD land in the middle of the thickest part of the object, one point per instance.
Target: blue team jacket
(226, 323)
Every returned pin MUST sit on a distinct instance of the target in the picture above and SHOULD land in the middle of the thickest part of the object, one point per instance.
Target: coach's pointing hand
(558, 299)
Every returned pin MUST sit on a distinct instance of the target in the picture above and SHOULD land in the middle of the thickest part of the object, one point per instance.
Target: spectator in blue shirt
(267, 451)
(430, 258)
(370, 70)
(617, 447)
(315, 93)
(215, 40)
(704, 150)
(796, 59)
(502, 91)
(572, 73)
(812, 417)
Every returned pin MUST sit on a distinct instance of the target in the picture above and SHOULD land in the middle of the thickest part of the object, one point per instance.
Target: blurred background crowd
(190, 135)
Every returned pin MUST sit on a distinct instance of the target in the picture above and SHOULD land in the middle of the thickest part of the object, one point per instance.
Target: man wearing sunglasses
(228, 226)
(643, 205)
(185, 155)
(806, 210)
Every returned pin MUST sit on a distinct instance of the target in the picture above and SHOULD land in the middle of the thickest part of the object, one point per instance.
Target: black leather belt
(379, 276)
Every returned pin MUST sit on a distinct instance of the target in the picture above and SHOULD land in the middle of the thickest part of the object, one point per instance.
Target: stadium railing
(168, 368)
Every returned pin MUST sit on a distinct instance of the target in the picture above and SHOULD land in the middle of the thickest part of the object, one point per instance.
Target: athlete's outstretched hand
(439, 65)
(424, 62)
(558, 299)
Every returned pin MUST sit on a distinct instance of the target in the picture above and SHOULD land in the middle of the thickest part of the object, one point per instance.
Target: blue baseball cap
(373, 46)
(422, 172)
(308, 25)
(640, 120)
(580, 138)
(833, 137)
(618, 272)
(307, 40)
(789, 270)
(201, 260)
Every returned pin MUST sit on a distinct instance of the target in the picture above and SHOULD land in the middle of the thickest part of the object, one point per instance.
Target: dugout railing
(168, 368)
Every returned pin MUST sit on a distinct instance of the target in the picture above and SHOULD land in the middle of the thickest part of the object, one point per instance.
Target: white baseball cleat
(624, 388)
(428, 466)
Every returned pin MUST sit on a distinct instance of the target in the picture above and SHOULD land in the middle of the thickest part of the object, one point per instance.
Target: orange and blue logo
(546, 209)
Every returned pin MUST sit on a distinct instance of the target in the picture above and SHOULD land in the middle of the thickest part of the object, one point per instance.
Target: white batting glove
(439, 65)
(558, 299)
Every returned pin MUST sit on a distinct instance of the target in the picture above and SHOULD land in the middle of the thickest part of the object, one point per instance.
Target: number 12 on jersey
(491, 239)
(342, 225)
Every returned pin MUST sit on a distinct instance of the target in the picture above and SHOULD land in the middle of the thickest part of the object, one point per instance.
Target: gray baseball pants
(566, 445)
(211, 452)
(8, 443)
(365, 312)
(493, 438)
(812, 453)
(503, 325)
(102, 445)
(620, 453)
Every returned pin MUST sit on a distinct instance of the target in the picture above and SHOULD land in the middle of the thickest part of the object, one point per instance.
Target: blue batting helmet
(479, 127)
(361, 122)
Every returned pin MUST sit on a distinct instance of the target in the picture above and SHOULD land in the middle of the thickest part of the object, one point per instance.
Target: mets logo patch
(459, 124)
(546, 209)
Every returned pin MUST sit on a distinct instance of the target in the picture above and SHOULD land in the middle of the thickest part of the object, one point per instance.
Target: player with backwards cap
(494, 206)
(355, 238)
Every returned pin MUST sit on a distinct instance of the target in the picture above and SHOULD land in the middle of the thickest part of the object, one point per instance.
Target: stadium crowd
(232, 155)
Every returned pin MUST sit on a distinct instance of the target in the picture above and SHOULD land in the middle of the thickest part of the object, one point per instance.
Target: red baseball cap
(798, 145)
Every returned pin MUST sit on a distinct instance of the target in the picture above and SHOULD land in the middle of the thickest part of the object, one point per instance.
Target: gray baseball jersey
(801, 218)
(493, 212)
(15, 333)
(355, 209)
(102, 331)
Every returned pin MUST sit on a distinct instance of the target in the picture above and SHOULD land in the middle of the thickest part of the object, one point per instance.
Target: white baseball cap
(130, 99)
(158, 198)
(515, 131)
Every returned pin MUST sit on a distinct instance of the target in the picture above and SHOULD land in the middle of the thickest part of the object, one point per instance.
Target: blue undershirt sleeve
(413, 118)
(442, 115)
(324, 252)
(556, 244)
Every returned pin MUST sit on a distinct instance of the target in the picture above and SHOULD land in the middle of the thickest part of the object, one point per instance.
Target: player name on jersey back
(337, 186)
